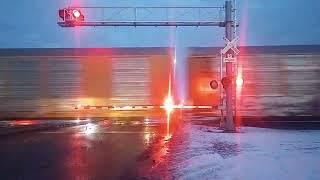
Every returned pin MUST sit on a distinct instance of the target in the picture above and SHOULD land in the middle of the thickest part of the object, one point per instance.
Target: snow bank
(202, 152)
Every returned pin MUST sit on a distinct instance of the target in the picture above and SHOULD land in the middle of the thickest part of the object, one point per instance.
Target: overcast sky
(32, 23)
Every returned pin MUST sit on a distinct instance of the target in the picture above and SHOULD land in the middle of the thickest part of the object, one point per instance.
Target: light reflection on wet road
(96, 150)
(26, 122)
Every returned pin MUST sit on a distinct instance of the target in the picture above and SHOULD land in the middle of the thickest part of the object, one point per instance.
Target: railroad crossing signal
(231, 45)
(214, 84)
(142, 16)
(230, 51)
(72, 17)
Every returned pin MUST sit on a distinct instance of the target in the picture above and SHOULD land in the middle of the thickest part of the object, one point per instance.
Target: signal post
(229, 58)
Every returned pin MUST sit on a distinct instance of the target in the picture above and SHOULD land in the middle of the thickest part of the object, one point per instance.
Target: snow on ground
(202, 152)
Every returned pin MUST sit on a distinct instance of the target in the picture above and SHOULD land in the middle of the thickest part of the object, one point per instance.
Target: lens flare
(169, 105)
(167, 137)
(239, 81)
(90, 129)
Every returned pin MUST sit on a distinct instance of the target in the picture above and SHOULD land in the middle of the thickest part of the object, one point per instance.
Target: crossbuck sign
(230, 45)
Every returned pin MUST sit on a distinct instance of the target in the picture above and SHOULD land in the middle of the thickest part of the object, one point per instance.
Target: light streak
(90, 129)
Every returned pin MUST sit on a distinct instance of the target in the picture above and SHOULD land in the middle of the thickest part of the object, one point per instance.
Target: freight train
(51, 83)
(277, 80)
(71, 82)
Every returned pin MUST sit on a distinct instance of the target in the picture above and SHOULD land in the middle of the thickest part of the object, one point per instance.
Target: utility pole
(229, 26)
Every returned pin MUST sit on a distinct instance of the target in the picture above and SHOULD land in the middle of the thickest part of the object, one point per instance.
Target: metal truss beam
(148, 16)
(135, 24)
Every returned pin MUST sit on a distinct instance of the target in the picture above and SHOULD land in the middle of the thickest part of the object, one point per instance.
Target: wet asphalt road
(96, 150)
(91, 149)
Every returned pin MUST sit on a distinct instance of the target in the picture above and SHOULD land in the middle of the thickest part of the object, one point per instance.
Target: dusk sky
(33, 23)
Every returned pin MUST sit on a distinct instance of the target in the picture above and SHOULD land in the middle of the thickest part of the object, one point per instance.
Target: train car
(53, 83)
(277, 80)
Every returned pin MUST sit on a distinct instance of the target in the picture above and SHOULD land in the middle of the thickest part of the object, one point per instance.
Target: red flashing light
(239, 81)
(71, 15)
(214, 84)
(76, 13)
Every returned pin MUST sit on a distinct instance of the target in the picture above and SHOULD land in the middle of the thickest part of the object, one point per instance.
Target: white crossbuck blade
(230, 45)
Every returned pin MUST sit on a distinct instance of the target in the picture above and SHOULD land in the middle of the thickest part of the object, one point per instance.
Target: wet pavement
(15, 127)
(125, 148)
(105, 149)
(200, 150)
